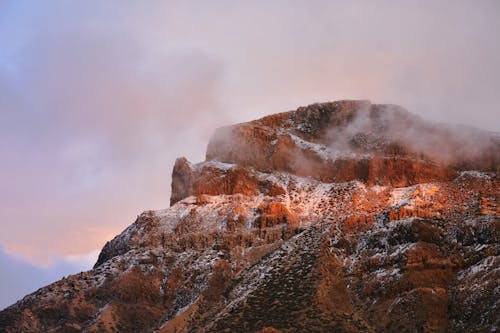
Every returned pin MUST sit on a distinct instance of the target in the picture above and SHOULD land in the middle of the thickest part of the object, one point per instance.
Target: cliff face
(332, 142)
(343, 217)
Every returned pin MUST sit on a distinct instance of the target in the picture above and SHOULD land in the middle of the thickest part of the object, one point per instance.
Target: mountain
(336, 217)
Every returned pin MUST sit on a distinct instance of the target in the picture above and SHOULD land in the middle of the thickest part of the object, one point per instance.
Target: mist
(384, 127)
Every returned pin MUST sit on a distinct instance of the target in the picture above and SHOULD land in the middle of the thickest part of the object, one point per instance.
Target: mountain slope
(342, 216)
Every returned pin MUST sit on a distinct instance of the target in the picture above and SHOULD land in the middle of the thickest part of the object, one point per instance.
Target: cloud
(91, 123)
(18, 277)
(418, 54)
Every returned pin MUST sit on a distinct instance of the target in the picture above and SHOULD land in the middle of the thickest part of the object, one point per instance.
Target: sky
(98, 98)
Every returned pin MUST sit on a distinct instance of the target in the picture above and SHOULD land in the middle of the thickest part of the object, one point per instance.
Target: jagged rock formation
(336, 217)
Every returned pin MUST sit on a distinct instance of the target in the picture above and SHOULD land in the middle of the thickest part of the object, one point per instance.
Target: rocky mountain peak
(338, 142)
(336, 217)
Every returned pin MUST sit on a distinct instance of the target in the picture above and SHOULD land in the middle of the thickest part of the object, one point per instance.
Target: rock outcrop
(332, 142)
(336, 217)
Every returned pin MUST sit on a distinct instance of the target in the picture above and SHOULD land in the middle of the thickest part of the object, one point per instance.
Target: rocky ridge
(342, 216)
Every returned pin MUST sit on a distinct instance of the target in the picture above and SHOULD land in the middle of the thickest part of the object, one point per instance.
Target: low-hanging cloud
(390, 128)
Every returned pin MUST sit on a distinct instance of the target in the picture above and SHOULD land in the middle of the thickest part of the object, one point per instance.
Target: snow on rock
(476, 174)
(278, 231)
(413, 196)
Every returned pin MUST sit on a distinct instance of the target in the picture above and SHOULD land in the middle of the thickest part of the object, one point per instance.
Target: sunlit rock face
(336, 217)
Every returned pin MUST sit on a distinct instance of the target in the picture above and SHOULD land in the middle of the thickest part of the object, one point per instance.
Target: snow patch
(413, 195)
(325, 152)
(476, 174)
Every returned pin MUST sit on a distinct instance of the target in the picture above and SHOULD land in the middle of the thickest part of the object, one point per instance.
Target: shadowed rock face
(214, 178)
(336, 217)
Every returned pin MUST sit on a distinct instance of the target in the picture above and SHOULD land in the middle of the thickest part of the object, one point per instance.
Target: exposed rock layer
(337, 217)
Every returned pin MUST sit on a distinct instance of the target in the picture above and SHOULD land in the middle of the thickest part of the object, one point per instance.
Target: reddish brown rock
(354, 140)
(302, 222)
(211, 178)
